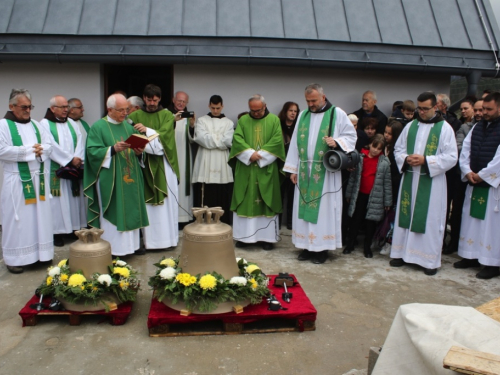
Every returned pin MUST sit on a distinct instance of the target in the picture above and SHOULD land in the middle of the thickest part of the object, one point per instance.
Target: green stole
(418, 219)
(55, 188)
(311, 184)
(479, 201)
(155, 180)
(85, 126)
(24, 169)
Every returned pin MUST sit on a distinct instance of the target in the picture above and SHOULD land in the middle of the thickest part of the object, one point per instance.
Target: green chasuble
(155, 181)
(257, 190)
(121, 185)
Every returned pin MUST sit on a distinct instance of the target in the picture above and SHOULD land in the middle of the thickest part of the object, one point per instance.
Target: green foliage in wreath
(122, 282)
(206, 292)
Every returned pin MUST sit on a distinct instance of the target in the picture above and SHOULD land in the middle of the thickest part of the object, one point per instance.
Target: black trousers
(287, 194)
(456, 212)
(356, 221)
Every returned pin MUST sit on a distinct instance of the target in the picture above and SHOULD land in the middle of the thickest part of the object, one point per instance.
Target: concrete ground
(356, 299)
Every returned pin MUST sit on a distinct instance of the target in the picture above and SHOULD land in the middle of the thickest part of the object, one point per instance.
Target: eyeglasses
(424, 109)
(80, 107)
(121, 110)
(257, 110)
(61, 106)
(25, 107)
(181, 101)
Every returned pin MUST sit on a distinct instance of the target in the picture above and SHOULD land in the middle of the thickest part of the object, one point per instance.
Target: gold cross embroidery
(431, 147)
(481, 200)
(312, 237)
(28, 187)
(54, 180)
(303, 129)
(258, 201)
(42, 185)
(493, 176)
(488, 247)
(470, 241)
(316, 177)
(405, 203)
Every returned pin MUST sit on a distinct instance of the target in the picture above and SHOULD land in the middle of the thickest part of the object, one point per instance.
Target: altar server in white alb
(68, 149)
(479, 243)
(317, 206)
(75, 115)
(212, 176)
(25, 148)
(424, 152)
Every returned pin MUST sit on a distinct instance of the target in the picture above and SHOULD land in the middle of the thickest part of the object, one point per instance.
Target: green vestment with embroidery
(155, 181)
(257, 190)
(121, 186)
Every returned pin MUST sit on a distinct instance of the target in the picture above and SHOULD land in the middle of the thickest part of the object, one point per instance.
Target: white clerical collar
(112, 121)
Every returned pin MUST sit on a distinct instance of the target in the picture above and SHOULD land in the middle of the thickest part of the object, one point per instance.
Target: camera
(187, 114)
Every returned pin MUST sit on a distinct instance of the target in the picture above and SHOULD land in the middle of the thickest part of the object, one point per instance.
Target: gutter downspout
(472, 84)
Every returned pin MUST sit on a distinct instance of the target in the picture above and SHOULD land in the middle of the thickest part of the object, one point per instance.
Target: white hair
(444, 98)
(52, 101)
(72, 102)
(314, 87)
(373, 94)
(136, 101)
(15, 94)
(353, 117)
(111, 102)
(258, 98)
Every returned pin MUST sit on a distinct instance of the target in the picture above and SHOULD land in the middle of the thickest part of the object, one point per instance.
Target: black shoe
(368, 253)
(241, 245)
(320, 257)
(58, 240)
(466, 263)
(348, 249)
(289, 226)
(15, 269)
(305, 255)
(488, 272)
(267, 245)
(430, 271)
(397, 262)
(140, 251)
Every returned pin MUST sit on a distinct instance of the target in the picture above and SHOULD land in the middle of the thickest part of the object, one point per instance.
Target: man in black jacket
(443, 103)
(369, 109)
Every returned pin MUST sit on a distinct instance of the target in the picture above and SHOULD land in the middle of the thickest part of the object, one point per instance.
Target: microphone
(131, 123)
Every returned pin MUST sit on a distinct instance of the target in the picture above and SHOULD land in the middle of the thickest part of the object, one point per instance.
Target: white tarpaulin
(422, 334)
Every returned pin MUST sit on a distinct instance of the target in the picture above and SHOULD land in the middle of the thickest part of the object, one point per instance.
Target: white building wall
(45, 80)
(344, 88)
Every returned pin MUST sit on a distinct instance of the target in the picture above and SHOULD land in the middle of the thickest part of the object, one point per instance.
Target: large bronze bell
(208, 245)
(90, 253)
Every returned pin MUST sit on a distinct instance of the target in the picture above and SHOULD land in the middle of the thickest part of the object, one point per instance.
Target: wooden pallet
(116, 317)
(218, 327)
(471, 362)
(299, 316)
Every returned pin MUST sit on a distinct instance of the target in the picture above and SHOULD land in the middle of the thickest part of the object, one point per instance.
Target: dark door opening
(132, 79)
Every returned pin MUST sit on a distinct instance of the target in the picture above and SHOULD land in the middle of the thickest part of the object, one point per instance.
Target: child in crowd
(354, 119)
(408, 110)
(368, 193)
(369, 126)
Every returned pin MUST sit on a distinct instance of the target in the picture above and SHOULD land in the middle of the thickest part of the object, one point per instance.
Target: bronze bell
(207, 245)
(90, 253)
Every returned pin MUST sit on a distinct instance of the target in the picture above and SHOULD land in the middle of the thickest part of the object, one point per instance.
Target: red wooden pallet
(300, 316)
(31, 316)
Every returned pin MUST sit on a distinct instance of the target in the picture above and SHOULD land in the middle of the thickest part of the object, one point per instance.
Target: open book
(139, 140)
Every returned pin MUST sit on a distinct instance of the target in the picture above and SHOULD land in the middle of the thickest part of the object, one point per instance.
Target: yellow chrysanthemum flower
(251, 268)
(208, 282)
(124, 285)
(122, 271)
(62, 263)
(254, 283)
(185, 279)
(76, 280)
(64, 278)
(95, 289)
(49, 280)
(169, 262)
(82, 287)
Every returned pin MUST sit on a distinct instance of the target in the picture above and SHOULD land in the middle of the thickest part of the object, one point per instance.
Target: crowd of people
(420, 171)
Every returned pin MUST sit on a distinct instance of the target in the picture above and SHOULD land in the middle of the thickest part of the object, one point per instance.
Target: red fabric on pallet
(299, 308)
(119, 315)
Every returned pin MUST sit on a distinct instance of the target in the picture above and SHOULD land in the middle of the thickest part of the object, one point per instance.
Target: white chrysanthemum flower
(54, 271)
(238, 260)
(168, 273)
(105, 279)
(238, 280)
(121, 263)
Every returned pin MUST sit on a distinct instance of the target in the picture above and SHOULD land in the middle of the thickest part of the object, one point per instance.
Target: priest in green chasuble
(257, 156)
(425, 150)
(161, 172)
(113, 181)
(317, 206)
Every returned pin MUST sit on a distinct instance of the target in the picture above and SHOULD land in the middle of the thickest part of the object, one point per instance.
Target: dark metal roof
(442, 35)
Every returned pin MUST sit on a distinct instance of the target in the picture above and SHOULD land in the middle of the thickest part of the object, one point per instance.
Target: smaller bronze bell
(90, 253)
